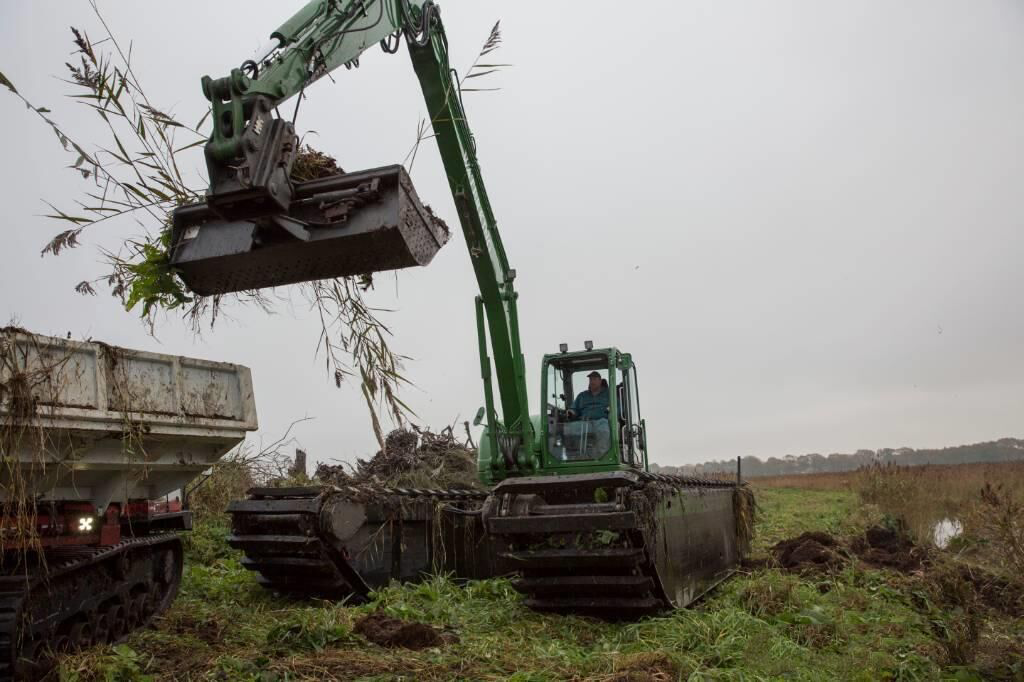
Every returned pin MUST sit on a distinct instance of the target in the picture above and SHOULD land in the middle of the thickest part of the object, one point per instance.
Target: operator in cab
(592, 403)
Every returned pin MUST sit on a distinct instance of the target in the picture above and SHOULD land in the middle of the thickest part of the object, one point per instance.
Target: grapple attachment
(347, 224)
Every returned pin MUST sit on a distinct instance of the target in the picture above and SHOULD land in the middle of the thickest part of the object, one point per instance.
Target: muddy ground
(951, 583)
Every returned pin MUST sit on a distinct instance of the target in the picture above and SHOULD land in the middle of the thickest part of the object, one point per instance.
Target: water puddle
(944, 531)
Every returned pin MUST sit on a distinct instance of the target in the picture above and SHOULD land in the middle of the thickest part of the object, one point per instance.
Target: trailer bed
(94, 422)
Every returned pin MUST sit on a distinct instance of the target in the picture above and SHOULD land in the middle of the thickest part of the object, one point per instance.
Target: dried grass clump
(311, 164)
(744, 509)
(29, 378)
(245, 467)
(416, 458)
(997, 520)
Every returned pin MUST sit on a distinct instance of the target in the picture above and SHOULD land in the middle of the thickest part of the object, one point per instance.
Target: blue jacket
(590, 406)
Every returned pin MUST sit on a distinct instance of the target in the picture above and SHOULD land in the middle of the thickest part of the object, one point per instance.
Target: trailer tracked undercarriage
(81, 596)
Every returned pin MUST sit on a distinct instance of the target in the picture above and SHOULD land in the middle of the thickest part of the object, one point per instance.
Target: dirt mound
(811, 550)
(878, 546)
(889, 548)
(415, 458)
(392, 632)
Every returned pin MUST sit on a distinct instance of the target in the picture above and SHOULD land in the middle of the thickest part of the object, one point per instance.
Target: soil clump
(808, 551)
(879, 547)
(392, 632)
(889, 548)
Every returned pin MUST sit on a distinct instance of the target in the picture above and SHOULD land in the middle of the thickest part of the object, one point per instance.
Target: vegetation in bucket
(412, 458)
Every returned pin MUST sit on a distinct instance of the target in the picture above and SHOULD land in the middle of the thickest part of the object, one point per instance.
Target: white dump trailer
(117, 424)
(90, 436)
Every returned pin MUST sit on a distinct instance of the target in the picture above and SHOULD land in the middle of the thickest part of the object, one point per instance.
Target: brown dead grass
(921, 496)
(952, 481)
(986, 498)
(839, 480)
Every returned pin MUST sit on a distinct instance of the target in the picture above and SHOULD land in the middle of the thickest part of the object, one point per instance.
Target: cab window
(579, 404)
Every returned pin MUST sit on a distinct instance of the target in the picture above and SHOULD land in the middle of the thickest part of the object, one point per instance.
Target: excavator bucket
(347, 224)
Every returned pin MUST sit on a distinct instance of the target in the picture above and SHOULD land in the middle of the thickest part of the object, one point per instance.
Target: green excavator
(571, 507)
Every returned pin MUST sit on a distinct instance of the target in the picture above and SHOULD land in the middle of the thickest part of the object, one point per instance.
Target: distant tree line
(1002, 450)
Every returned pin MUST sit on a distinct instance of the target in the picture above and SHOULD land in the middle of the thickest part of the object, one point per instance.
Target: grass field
(921, 496)
(849, 623)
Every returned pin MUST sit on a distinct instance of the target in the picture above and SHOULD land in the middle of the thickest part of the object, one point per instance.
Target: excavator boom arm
(495, 278)
(326, 34)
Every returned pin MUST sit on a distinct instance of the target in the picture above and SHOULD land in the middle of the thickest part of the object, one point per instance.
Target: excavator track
(342, 543)
(72, 597)
(652, 542)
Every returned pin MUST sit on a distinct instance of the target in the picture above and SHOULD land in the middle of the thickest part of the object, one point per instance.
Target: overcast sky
(803, 219)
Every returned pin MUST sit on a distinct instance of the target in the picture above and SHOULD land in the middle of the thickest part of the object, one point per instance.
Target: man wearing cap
(593, 402)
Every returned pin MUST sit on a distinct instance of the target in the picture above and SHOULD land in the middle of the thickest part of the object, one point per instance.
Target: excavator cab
(592, 416)
(592, 530)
